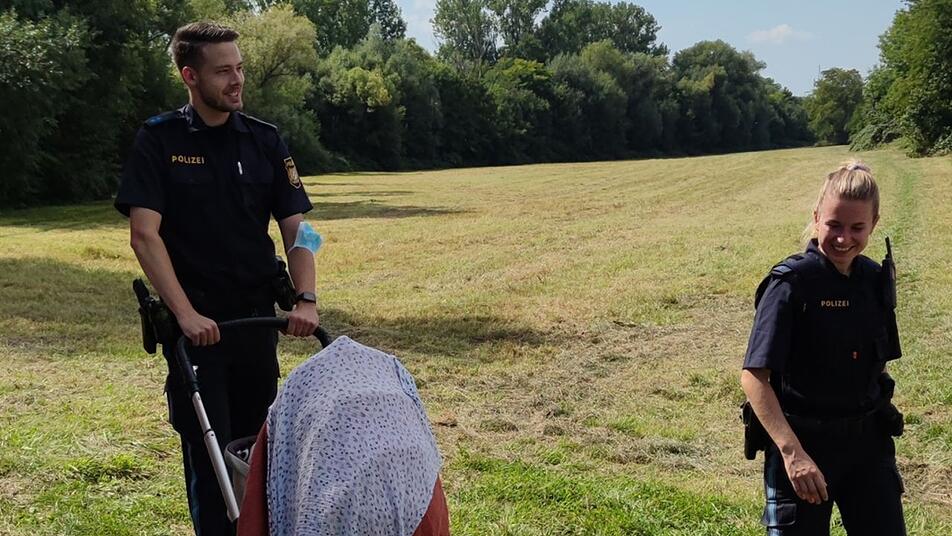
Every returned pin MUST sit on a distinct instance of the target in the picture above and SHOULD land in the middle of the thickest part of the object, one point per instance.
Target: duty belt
(839, 427)
(222, 301)
(278, 289)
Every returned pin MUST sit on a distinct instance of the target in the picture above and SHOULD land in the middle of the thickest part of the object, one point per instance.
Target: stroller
(239, 459)
(238, 453)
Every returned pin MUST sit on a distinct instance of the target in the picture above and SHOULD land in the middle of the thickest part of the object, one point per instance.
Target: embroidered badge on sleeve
(293, 177)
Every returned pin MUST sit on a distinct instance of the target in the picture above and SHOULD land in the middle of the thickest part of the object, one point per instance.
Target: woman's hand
(807, 479)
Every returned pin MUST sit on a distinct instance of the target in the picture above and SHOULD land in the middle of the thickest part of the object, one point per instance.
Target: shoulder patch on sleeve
(291, 169)
(162, 118)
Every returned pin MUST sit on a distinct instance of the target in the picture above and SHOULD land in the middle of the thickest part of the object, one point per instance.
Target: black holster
(283, 287)
(159, 325)
(755, 436)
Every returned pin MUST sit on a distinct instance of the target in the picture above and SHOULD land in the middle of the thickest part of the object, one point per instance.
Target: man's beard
(217, 101)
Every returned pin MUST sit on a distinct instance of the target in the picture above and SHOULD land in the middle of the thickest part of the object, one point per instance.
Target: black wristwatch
(305, 297)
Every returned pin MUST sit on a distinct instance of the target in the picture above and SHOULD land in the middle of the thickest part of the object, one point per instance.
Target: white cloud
(778, 35)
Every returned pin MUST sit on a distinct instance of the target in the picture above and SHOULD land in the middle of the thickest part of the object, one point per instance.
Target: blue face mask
(307, 238)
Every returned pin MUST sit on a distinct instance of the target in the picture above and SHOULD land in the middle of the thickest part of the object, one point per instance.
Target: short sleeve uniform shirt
(216, 189)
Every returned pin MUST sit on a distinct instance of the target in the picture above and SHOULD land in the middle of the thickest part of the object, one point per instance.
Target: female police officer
(814, 374)
(200, 187)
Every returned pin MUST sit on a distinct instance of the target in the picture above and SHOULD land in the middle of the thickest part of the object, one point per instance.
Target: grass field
(576, 331)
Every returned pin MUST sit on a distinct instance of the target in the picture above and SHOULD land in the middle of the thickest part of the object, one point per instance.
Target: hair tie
(853, 166)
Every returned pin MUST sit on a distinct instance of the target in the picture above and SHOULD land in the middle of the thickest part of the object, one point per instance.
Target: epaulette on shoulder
(255, 121)
(788, 266)
(798, 265)
(781, 270)
(163, 118)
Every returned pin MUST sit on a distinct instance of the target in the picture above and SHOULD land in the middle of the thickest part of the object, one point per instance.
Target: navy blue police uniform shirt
(216, 188)
(823, 336)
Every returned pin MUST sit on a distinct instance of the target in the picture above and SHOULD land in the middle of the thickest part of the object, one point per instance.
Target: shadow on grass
(46, 303)
(368, 173)
(102, 215)
(359, 193)
(372, 209)
(447, 334)
(97, 215)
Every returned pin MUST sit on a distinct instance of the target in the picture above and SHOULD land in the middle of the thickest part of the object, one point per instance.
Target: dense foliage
(909, 94)
(836, 96)
(74, 81)
(513, 81)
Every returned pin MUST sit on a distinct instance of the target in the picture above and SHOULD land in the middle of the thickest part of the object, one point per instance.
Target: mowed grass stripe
(517, 498)
(575, 329)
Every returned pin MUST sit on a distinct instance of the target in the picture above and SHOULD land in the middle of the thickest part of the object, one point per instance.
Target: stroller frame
(191, 383)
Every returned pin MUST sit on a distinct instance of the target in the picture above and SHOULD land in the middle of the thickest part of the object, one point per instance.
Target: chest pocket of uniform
(255, 181)
(191, 171)
(191, 186)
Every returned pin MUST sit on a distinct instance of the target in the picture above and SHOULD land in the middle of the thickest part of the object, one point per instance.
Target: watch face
(307, 296)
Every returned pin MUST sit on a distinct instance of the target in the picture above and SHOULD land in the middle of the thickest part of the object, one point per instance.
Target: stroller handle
(271, 322)
(185, 364)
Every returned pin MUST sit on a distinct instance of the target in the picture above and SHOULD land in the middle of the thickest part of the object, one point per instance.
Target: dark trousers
(862, 480)
(238, 382)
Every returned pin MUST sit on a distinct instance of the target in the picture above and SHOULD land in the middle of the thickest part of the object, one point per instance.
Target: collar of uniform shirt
(196, 124)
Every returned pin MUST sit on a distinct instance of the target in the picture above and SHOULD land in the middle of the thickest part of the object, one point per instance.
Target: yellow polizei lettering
(182, 159)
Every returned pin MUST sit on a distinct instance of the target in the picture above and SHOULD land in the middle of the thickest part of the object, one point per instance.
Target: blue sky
(795, 38)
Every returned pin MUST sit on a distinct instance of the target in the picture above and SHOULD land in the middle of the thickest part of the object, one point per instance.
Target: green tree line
(907, 98)
(513, 81)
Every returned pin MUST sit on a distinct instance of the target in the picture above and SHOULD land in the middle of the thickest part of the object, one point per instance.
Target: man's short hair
(188, 41)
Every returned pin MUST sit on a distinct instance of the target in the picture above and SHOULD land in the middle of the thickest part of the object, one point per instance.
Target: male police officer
(199, 188)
